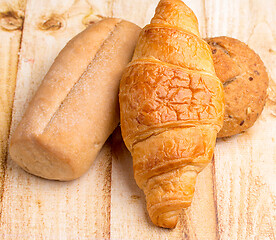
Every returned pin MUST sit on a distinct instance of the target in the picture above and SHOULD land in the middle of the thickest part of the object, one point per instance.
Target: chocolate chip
(250, 78)
(242, 122)
(255, 71)
(230, 116)
(214, 51)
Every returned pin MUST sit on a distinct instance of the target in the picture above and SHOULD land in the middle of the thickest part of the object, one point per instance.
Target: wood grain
(235, 195)
(129, 217)
(244, 166)
(11, 22)
(35, 208)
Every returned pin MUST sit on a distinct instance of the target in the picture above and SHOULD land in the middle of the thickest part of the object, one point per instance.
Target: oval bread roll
(76, 107)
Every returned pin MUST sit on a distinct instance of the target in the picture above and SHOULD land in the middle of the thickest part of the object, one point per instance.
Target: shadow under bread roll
(76, 107)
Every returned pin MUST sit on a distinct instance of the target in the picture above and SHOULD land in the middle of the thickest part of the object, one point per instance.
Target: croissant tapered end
(177, 14)
(167, 194)
(167, 219)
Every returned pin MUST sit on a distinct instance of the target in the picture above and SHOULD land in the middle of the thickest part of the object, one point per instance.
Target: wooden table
(235, 195)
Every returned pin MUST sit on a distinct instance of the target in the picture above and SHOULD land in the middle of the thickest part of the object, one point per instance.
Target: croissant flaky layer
(160, 96)
(172, 107)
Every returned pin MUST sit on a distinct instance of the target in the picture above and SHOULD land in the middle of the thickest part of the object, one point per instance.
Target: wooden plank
(138, 12)
(34, 208)
(129, 217)
(11, 21)
(244, 167)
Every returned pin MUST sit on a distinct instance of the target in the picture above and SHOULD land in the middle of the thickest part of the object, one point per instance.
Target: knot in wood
(11, 21)
(52, 23)
(91, 19)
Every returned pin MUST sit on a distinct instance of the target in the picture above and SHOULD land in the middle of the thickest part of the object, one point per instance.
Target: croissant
(171, 106)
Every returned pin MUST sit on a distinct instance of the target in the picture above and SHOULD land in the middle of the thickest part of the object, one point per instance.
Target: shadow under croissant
(122, 161)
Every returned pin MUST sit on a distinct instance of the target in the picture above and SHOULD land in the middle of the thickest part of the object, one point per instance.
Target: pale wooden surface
(235, 196)
(11, 21)
(245, 165)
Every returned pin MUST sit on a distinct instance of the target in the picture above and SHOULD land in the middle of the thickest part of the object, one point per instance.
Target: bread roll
(76, 107)
(245, 83)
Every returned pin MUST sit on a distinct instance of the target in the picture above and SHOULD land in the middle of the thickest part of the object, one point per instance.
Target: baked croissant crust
(171, 106)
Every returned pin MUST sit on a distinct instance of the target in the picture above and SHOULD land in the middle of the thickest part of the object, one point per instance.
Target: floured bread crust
(76, 107)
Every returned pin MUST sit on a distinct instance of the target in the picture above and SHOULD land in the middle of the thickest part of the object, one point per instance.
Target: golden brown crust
(168, 193)
(180, 95)
(172, 107)
(245, 81)
(176, 148)
(172, 13)
(175, 43)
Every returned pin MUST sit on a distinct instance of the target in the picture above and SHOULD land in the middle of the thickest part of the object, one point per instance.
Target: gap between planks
(184, 222)
(12, 22)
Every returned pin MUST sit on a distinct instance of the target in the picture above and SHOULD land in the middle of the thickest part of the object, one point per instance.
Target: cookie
(245, 83)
